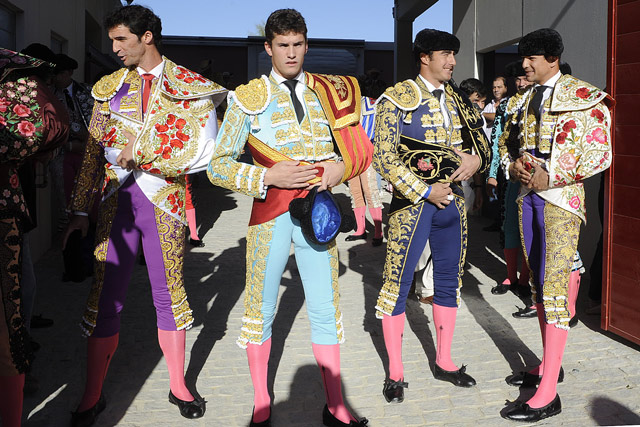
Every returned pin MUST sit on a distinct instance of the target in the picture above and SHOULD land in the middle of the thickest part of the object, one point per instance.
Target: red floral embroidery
(597, 135)
(425, 165)
(171, 135)
(109, 138)
(571, 124)
(26, 128)
(21, 110)
(175, 201)
(574, 202)
(561, 137)
(14, 181)
(599, 115)
(583, 93)
(3, 105)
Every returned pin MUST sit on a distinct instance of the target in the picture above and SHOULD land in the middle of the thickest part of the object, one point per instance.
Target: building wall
(486, 25)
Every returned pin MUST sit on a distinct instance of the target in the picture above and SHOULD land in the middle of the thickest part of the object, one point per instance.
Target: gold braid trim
(258, 245)
(332, 251)
(107, 87)
(462, 212)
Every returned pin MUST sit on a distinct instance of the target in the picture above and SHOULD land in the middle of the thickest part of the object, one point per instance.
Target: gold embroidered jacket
(175, 137)
(574, 133)
(410, 110)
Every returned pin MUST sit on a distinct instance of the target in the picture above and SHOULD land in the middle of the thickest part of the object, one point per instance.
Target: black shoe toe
(393, 391)
(88, 418)
(196, 243)
(193, 409)
(500, 289)
(525, 313)
(458, 378)
(354, 237)
(523, 412)
(526, 379)
(329, 420)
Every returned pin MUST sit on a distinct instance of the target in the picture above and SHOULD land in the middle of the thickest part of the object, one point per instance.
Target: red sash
(277, 201)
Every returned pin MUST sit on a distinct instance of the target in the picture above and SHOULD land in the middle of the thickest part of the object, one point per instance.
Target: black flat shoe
(393, 391)
(458, 378)
(330, 421)
(500, 289)
(194, 409)
(265, 423)
(196, 243)
(523, 412)
(88, 418)
(525, 313)
(354, 237)
(573, 322)
(525, 379)
(376, 241)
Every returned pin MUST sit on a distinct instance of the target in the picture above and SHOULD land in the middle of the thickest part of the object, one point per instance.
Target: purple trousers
(136, 220)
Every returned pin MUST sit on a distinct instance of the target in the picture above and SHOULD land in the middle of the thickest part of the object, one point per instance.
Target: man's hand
(332, 175)
(290, 174)
(78, 222)
(125, 159)
(517, 172)
(492, 182)
(441, 195)
(540, 179)
(470, 164)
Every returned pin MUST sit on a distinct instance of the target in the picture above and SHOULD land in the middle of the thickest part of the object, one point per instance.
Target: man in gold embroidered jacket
(428, 138)
(290, 119)
(558, 135)
(153, 122)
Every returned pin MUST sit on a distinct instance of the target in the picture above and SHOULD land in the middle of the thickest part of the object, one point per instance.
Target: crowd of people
(123, 153)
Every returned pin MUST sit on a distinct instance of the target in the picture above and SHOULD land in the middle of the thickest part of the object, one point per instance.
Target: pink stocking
(99, 354)
(376, 216)
(172, 344)
(193, 225)
(11, 395)
(393, 329)
(328, 358)
(258, 355)
(511, 258)
(554, 343)
(574, 287)
(444, 319)
(360, 221)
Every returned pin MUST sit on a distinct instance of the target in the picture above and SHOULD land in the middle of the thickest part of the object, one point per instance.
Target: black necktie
(69, 100)
(291, 85)
(438, 94)
(536, 101)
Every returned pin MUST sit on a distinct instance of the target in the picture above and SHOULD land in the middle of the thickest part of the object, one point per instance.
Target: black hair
(138, 19)
(564, 67)
(472, 85)
(504, 80)
(285, 21)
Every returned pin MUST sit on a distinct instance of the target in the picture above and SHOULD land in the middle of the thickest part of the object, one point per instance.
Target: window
(7, 28)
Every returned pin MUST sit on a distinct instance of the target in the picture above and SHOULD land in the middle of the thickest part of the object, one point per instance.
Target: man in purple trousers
(154, 122)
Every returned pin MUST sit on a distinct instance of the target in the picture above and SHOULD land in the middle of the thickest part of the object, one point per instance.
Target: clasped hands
(531, 175)
(291, 174)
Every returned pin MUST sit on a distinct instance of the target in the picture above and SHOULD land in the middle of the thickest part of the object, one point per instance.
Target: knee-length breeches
(409, 230)
(268, 247)
(549, 241)
(125, 219)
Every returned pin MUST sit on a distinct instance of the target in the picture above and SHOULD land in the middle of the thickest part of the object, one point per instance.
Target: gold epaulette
(404, 95)
(253, 98)
(571, 94)
(107, 87)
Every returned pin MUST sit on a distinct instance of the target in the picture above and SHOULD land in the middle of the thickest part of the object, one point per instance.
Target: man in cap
(418, 122)
(303, 130)
(558, 135)
(153, 122)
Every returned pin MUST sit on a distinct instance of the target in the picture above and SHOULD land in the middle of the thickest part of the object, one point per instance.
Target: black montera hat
(320, 216)
(65, 62)
(430, 40)
(545, 41)
(514, 69)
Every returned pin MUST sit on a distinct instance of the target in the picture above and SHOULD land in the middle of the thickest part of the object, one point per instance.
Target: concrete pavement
(601, 387)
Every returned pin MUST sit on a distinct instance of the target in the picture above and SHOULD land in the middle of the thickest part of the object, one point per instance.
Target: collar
(156, 71)
(279, 79)
(69, 88)
(552, 81)
(430, 86)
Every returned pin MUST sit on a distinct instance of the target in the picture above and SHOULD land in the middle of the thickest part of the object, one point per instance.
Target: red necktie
(146, 90)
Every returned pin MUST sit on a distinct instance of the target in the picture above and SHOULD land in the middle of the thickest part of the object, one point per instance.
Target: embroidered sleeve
(583, 139)
(385, 157)
(181, 138)
(496, 131)
(89, 180)
(224, 168)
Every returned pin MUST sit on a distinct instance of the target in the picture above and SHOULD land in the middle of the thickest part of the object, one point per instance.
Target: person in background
(33, 124)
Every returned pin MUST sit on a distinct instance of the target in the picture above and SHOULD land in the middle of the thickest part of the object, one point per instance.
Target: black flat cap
(430, 40)
(514, 69)
(64, 62)
(545, 41)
